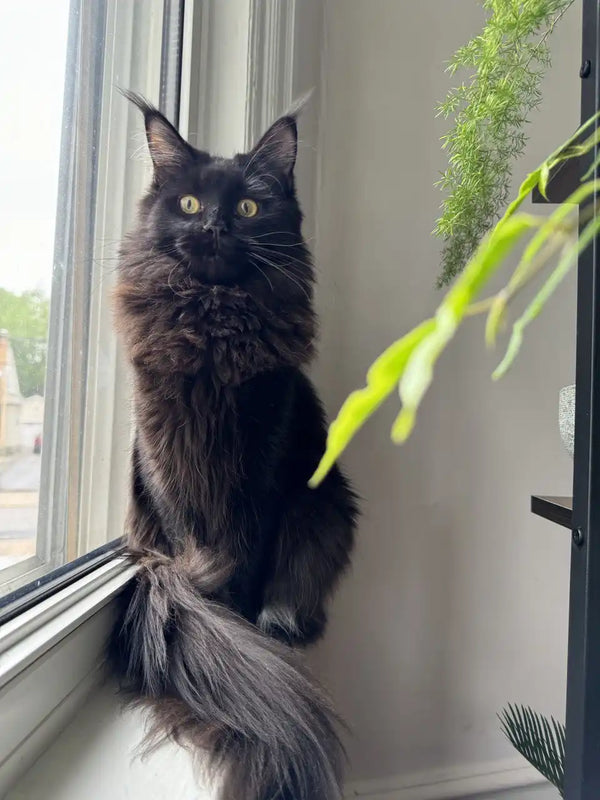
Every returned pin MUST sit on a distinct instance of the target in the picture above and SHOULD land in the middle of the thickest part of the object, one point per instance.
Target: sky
(33, 41)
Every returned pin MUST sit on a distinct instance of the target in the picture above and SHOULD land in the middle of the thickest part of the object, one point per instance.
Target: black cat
(237, 556)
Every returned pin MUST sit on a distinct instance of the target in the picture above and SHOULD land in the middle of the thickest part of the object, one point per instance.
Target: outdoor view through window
(31, 87)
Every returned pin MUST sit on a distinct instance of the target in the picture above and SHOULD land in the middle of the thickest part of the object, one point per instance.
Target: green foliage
(410, 362)
(25, 317)
(505, 63)
(539, 740)
(382, 379)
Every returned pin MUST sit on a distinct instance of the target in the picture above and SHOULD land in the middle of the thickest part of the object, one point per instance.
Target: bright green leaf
(382, 378)
(568, 258)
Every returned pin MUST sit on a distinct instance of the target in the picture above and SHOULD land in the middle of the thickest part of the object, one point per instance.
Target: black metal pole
(582, 769)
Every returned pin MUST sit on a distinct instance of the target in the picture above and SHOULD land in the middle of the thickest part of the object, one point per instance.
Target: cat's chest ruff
(219, 332)
(233, 338)
(220, 318)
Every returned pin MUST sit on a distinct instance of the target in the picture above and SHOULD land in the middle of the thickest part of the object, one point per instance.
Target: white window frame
(87, 427)
(71, 224)
(51, 657)
(53, 630)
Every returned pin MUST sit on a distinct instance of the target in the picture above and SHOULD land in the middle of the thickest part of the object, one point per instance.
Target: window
(73, 166)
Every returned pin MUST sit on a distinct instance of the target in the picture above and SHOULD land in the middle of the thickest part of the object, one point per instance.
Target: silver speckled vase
(566, 416)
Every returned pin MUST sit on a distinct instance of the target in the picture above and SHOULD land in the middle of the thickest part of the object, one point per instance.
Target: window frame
(53, 629)
(51, 658)
(87, 426)
(56, 470)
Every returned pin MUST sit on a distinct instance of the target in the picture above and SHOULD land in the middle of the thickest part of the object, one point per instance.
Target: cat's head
(224, 221)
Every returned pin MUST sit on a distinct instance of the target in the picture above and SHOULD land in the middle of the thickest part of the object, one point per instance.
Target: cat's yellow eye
(189, 204)
(247, 208)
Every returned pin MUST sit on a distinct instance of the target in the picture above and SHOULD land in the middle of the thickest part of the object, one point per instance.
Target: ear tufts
(298, 106)
(167, 148)
(140, 101)
(278, 146)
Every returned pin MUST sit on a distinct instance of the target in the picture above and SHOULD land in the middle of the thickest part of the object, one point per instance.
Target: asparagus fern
(505, 64)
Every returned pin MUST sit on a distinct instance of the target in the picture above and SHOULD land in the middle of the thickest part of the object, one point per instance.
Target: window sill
(51, 656)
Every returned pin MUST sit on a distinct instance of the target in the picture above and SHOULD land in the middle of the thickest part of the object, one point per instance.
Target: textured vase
(566, 416)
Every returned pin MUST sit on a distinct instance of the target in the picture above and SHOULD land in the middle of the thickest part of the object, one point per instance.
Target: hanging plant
(507, 61)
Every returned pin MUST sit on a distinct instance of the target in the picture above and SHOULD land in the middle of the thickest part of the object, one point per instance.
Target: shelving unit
(581, 514)
(556, 509)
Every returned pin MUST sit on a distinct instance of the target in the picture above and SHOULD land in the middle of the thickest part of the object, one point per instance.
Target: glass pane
(31, 86)
(73, 144)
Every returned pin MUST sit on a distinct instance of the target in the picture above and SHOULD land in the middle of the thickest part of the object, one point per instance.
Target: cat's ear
(167, 148)
(278, 146)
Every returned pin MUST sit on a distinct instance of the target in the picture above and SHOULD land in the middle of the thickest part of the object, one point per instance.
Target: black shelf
(556, 509)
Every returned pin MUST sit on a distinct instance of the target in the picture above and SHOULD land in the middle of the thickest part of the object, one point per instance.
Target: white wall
(457, 602)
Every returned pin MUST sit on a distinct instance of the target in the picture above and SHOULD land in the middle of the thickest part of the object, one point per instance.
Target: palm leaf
(539, 740)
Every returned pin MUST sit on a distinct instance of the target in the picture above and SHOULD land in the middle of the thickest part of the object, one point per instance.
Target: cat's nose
(212, 228)
(211, 233)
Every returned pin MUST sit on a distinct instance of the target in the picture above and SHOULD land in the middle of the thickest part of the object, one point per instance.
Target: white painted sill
(51, 656)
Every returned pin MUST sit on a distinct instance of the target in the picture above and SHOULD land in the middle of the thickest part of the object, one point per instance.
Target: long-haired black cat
(236, 555)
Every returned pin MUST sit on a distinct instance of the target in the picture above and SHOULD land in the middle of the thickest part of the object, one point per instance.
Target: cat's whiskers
(273, 233)
(290, 277)
(285, 259)
(252, 239)
(286, 256)
(104, 271)
(262, 272)
(173, 268)
(140, 154)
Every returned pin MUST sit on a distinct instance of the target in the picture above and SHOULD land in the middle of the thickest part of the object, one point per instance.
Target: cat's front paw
(290, 626)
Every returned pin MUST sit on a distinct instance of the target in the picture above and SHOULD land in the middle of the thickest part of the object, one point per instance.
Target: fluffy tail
(216, 683)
